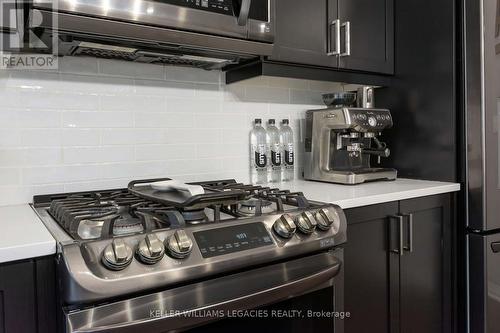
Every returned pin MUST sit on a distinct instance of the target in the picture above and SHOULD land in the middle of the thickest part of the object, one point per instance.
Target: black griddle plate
(179, 199)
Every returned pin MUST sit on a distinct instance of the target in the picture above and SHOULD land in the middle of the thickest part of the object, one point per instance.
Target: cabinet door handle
(336, 25)
(347, 40)
(399, 222)
(409, 234)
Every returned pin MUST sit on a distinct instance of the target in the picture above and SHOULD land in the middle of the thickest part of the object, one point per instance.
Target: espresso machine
(342, 140)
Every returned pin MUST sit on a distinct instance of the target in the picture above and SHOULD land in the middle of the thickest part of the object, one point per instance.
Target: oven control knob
(117, 255)
(150, 249)
(284, 226)
(328, 218)
(179, 245)
(306, 223)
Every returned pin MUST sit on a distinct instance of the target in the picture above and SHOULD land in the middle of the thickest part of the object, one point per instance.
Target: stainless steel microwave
(203, 33)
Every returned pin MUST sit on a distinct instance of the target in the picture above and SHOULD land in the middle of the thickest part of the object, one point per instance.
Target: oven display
(222, 241)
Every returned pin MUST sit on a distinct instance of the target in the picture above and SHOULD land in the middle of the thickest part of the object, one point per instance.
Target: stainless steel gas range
(140, 259)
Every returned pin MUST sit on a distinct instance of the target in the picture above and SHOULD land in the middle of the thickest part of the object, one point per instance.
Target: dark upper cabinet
(398, 267)
(347, 34)
(303, 33)
(367, 35)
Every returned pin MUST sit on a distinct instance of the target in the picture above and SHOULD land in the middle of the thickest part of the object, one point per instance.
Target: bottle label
(276, 155)
(289, 155)
(260, 158)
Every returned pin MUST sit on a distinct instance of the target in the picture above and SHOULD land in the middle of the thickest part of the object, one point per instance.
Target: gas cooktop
(116, 242)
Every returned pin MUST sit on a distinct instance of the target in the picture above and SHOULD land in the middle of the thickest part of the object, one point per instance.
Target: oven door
(222, 301)
(244, 19)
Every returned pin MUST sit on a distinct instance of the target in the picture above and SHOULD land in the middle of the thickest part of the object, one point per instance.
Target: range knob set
(306, 222)
(150, 249)
(117, 255)
(284, 226)
(179, 245)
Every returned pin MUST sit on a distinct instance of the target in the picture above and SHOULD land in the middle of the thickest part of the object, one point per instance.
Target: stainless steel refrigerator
(481, 74)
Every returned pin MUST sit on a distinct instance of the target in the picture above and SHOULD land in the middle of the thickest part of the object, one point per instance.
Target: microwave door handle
(177, 309)
(244, 12)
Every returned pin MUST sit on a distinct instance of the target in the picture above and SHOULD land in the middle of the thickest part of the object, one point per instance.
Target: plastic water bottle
(258, 153)
(275, 149)
(286, 138)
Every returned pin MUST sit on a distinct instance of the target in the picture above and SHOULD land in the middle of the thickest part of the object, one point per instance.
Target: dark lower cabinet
(398, 263)
(366, 269)
(27, 296)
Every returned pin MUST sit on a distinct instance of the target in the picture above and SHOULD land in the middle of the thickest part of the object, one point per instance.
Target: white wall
(98, 124)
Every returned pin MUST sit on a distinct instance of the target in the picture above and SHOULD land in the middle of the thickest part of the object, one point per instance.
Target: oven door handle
(196, 304)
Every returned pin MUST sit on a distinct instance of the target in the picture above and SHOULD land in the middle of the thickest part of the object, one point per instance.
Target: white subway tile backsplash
(9, 176)
(58, 100)
(81, 137)
(209, 91)
(267, 94)
(60, 174)
(86, 119)
(187, 106)
(134, 169)
(41, 137)
(130, 136)
(164, 152)
(165, 88)
(192, 135)
(163, 120)
(38, 118)
(97, 124)
(78, 65)
(141, 103)
(96, 84)
(221, 120)
(224, 150)
(30, 156)
(10, 137)
(83, 155)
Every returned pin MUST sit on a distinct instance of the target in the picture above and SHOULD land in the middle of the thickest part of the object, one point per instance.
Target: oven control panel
(216, 6)
(220, 241)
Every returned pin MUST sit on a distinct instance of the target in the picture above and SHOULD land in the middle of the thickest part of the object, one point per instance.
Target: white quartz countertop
(350, 196)
(23, 234)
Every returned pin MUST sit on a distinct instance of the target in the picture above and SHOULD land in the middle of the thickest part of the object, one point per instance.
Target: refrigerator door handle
(409, 233)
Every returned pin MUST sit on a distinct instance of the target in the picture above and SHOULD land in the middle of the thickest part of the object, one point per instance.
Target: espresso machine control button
(150, 249)
(306, 223)
(372, 121)
(328, 218)
(179, 245)
(284, 226)
(117, 255)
